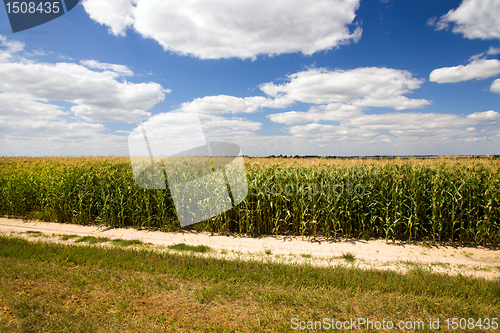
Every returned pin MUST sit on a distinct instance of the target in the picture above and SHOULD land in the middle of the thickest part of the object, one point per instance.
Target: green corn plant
(409, 199)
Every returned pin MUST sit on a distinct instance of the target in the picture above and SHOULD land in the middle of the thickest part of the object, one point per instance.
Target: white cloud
(26, 108)
(478, 69)
(330, 112)
(421, 123)
(59, 138)
(8, 48)
(293, 117)
(484, 117)
(476, 57)
(402, 127)
(213, 29)
(341, 97)
(120, 69)
(493, 50)
(376, 134)
(98, 95)
(345, 93)
(218, 123)
(118, 15)
(32, 121)
(495, 86)
(35, 53)
(396, 102)
(475, 19)
(315, 130)
(35, 128)
(372, 86)
(221, 104)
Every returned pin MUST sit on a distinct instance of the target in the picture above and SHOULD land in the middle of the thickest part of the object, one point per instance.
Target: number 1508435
(31, 7)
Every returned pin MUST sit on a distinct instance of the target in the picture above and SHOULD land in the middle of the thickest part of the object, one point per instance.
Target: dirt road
(472, 261)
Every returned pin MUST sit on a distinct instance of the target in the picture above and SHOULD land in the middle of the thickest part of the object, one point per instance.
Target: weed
(32, 233)
(92, 239)
(467, 254)
(66, 237)
(126, 242)
(191, 248)
(441, 264)
(348, 257)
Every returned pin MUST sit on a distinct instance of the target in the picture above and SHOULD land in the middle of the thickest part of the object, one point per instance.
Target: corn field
(438, 199)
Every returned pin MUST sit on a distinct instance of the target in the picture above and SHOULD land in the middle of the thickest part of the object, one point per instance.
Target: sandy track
(472, 261)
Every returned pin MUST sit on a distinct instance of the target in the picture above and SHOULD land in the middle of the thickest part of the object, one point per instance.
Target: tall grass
(443, 199)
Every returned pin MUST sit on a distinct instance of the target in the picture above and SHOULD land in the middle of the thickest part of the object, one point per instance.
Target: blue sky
(301, 77)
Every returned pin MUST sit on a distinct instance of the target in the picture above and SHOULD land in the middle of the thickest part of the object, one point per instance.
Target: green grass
(67, 288)
(410, 263)
(67, 237)
(92, 239)
(441, 264)
(348, 257)
(190, 248)
(426, 245)
(467, 254)
(126, 242)
(32, 233)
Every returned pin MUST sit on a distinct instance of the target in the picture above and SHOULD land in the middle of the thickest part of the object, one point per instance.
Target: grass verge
(126, 242)
(92, 239)
(190, 248)
(67, 288)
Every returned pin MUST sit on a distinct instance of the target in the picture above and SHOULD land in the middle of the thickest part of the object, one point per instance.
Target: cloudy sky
(291, 77)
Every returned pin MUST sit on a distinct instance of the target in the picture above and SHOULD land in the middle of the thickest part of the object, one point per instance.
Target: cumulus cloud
(120, 69)
(218, 123)
(221, 104)
(9, 48)
(340, 94)
(475, 19)
(478, 69)
(493, 50)
(369, 86)
(24, 107)
(58, 138)
(401, 125)
(33, 121)
(495, 86)
(394, 133)
(484, 117)
(421, 123)
(330, 112)
(98, 96)
(32, 127)
(213, 29)
(317, 130)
